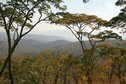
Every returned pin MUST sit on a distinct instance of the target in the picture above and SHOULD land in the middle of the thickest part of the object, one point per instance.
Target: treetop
(74, 19)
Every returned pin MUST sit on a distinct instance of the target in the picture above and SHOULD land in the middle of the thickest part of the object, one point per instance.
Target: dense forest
(99, 62)
(106, 66)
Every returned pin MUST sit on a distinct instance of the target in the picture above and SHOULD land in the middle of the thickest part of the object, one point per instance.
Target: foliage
(17, 18)
(81, 25)
(54, 68)
(84, 26)
(120, 20)
(73, 19)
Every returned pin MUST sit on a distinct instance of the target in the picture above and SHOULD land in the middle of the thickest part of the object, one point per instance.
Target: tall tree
(84, 27)
(78, 24)
(18, 18)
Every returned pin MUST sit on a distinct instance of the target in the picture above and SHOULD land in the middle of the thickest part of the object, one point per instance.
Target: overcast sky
(105, 9)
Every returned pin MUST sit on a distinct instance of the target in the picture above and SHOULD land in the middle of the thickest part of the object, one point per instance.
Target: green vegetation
(78, 24)
(49, 67)
(16, 17)
(98, 64)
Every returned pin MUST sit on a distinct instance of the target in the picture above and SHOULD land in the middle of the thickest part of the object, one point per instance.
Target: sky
(105, 9)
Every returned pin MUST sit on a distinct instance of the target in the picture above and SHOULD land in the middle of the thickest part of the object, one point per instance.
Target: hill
(75, 48)
(32, 44)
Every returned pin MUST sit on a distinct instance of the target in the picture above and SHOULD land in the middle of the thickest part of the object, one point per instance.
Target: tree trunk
(111, 74)
(56, 78)
(4, 66)
(76, 80)
(10, 70)
(120, 79)
(7, 61)
(89, 81)
(65, 78)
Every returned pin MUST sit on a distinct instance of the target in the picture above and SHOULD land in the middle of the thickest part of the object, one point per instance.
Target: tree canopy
(79, 23)
(17, 18)
(120, 20)
(72, 19)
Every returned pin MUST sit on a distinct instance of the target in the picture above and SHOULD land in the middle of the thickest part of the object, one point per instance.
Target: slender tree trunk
(83, 50)
(7, 61)
(56, 79)
(112, 72)
(89, 80)
(8, 56)
(120, 79)
(65, 78)
(76, 80)
(10, 70)
(4, 66)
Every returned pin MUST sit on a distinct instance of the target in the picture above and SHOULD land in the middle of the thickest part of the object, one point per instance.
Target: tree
(119, 21)
(78, 24)
(113, 61)
(42, 66)
(17, 18)
(84, 26)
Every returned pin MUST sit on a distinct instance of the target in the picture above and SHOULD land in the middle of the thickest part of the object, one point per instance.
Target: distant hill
(42, 38)
(53, 44)
(35, 37)
(32, 44)
(75, 48)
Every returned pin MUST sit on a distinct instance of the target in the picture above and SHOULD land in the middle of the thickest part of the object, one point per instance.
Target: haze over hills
(34, 44)
(36, 37)
(75, 48)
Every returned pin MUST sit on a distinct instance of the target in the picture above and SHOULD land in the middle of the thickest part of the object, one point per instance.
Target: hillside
(32, 44)
(75, 48)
